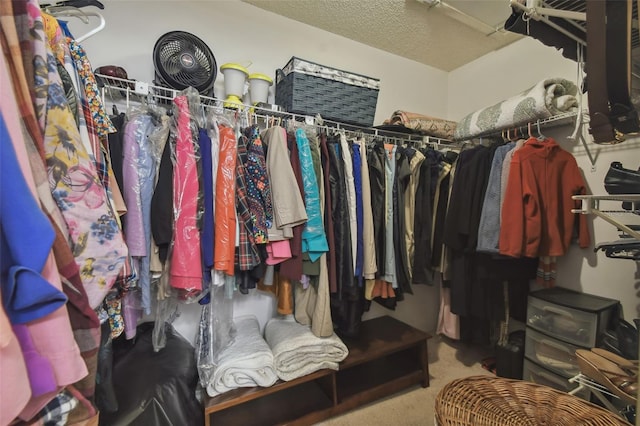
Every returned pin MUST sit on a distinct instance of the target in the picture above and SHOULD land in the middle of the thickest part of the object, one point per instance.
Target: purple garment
(139, 168)
(131, 312)
(133, 223)
(41, 377)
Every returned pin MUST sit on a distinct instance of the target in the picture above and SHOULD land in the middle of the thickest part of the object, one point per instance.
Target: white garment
(370, 266)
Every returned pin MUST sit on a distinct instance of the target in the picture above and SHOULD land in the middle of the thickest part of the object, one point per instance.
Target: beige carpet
(448, 360)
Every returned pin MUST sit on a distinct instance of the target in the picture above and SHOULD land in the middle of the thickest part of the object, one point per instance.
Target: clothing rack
(590, 204)
(544, 123)
(139, 91)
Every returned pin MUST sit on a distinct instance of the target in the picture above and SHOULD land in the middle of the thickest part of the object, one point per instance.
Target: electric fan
(183, 60)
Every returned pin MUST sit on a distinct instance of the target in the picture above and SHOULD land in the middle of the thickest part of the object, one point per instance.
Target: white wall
(238, 32)
(504, 73)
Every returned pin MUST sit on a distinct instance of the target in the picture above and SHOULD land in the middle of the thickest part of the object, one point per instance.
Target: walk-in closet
(239, 212)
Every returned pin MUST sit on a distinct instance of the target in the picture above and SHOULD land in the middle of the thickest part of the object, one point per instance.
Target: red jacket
(536, 218)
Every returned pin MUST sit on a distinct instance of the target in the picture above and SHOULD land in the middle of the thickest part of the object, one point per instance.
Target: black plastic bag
(154, 388)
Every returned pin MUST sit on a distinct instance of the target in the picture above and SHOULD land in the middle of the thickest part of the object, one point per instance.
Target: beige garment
(312, 305)
(118, 201)
(369, 266)
(369, 285)
(288, 206)
(410, 207)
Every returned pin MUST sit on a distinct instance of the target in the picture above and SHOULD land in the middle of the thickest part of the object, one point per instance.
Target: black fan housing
(183, 60)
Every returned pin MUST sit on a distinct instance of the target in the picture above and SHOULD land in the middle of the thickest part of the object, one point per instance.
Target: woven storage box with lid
(495, 401)
(304, 87)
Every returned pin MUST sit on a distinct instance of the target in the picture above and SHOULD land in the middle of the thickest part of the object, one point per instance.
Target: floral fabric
(97, 243)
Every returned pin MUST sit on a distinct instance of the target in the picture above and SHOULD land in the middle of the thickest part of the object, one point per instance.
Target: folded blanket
(424, 124)
(246, 362)
(549, 97)
(298, 352)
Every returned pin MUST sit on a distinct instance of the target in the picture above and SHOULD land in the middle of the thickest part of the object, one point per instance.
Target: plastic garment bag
(216, 332)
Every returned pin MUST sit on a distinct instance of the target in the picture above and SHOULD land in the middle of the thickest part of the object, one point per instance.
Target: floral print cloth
(97, 243)
(102, 123)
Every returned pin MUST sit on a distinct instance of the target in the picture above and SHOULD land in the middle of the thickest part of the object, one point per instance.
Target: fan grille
(182, 60)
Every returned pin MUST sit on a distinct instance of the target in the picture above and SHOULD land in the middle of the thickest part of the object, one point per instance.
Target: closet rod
(556, 120)
(147, 92)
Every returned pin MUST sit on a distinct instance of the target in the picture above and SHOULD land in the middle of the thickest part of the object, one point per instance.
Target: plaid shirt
(247, 256)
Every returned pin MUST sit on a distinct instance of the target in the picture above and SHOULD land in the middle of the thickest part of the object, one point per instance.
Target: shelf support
(591, 205)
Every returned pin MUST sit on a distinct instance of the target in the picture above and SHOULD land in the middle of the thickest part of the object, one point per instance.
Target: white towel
(247, 362)
(298, 352)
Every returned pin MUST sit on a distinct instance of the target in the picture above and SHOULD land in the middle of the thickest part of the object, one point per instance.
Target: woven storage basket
(304, 87)
(495, 401)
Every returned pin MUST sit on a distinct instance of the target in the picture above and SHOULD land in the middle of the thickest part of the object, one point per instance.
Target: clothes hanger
(83, 15)
(541, 137)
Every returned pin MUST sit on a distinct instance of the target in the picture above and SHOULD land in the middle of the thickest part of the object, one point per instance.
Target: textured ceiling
(438, 36)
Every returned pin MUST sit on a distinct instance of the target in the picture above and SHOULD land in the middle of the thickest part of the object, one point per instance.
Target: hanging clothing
(377, 182)
(415, 162)
(206, 233)
(288, 207)
(247, 253)
(75, 186)
(328, 216)
(314, 241)
(346, 157)
(423, 218)
(390, 259)
(186, 261)
(537, 218)
(357, 181)
(506, 168)
(489, 227)
(162, 205)
(292, 267)
(369, 267)
(401, 181)
(225, 212)
(258, 186)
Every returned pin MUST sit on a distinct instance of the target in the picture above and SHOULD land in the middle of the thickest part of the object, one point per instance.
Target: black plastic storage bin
(308, 88)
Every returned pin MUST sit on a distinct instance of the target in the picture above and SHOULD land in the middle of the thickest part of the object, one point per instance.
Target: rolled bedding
(246, 362)
(422, 124)
(548, 98)
(298, 352)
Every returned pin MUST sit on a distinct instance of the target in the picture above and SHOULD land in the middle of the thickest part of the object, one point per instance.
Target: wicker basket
(304, 87)
(494, 401)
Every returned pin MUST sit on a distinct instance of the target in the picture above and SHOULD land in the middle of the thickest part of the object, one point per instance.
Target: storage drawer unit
(532, 372)
(550, 353)
(573, 317)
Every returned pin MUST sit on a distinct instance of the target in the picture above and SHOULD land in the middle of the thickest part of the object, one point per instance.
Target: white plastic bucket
(259, 88)
(235, 77)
